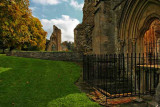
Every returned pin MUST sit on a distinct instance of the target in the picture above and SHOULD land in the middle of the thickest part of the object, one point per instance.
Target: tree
(37, 39)
(13, 21)
(3, 44)
(18, 27)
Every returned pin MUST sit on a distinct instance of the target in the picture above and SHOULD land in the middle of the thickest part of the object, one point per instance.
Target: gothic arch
(148, 22)
(136, 18)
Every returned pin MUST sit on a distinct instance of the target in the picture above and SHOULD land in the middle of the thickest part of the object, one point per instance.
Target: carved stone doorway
(151, 41)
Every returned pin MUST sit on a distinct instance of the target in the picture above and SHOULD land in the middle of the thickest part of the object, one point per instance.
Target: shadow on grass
(38, 83)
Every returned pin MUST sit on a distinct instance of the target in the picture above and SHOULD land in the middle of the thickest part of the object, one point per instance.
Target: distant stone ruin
(55, 40)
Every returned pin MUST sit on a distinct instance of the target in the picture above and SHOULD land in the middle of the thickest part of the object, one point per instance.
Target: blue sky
(65, 14)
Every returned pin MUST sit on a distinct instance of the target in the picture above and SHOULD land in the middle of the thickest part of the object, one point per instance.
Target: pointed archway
(136, 19)
(151, 41)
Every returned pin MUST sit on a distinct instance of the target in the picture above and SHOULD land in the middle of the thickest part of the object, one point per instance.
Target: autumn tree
(18, 27)
(37, 39)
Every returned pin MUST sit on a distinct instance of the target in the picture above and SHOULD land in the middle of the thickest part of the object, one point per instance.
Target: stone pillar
(158, 91)
(104, 33)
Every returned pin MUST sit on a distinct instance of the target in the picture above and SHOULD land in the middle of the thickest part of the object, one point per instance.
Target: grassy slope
(26, 82)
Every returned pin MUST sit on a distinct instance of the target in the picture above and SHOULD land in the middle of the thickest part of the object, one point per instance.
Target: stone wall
(56, 56)
(83, 32)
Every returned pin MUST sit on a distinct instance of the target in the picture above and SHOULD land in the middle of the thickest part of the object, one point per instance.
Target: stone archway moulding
(137, 17)
(147, 23)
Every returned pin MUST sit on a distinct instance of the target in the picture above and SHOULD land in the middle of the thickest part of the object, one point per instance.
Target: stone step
(153, 104)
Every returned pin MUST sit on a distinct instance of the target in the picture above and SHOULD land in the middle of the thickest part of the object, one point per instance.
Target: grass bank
(27, 82)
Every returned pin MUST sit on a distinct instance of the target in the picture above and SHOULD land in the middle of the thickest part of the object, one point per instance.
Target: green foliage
(26, 82)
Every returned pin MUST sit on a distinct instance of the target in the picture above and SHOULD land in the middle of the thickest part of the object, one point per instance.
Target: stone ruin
(117, 26)
(83, 32)
(55, 40)
(111, 26)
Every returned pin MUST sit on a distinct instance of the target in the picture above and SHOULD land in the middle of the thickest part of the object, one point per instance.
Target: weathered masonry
(121, 42)
(56, 56)
(117, 26)
(83, 32)
(55, 40)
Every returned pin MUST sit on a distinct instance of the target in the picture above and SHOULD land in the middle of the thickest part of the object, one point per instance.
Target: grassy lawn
(26, 82)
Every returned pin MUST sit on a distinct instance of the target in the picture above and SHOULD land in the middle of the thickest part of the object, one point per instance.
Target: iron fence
(123, 74)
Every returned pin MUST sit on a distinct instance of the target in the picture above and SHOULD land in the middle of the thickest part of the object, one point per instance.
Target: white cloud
(73, 3)
(66, 24)
(48, 2)
(33, 8)
(76, 5)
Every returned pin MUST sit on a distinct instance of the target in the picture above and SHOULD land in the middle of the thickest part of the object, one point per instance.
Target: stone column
(157, 96)
(134, 43)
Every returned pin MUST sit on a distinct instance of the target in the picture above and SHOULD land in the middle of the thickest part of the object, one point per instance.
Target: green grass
(26, 82)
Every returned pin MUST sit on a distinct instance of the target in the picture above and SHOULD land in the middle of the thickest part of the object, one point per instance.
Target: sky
(65, 14)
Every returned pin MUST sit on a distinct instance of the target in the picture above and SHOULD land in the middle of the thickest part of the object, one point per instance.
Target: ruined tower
(55, 40)
(83, 32)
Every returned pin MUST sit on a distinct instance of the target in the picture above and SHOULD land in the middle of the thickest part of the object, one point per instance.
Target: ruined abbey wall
(83, 32)
(99, 20)
(115, 26)
(122, 25)
(55, 40)
(104, 36)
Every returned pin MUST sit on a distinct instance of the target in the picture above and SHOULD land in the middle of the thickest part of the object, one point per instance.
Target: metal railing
(123, 74)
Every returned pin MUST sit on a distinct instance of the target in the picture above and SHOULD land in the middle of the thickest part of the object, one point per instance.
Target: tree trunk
(3, 51)
(11, 48)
